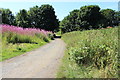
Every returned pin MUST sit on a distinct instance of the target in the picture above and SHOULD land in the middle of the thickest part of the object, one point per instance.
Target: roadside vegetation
(17, 40)
(28, 30)
(91, 35)
(91, 54)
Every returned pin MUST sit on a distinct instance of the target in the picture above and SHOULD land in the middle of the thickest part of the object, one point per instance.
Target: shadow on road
(57, 36)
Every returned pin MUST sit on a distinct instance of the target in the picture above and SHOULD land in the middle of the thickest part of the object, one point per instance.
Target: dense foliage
(22, 19)
(90, 17)
(48, 18)
(91, 54)
(110, 17)
(70, 22)
(7, 16)
(42, 17)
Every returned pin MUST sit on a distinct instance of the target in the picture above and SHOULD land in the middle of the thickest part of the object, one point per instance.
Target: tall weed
(94, 49)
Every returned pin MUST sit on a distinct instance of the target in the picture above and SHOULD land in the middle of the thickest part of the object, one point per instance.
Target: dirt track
(40, 63)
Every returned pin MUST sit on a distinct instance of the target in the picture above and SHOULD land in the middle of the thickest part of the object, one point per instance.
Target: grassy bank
(16, 40)
(90, 54)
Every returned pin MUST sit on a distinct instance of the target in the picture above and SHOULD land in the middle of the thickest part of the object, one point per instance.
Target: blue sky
(62, 9)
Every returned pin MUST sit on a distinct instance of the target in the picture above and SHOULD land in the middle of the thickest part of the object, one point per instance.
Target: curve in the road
(40, 63)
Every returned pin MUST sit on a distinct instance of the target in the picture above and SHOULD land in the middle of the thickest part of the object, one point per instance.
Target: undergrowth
(91, 54)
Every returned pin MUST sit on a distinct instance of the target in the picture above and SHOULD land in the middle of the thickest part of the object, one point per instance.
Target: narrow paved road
(40, 63)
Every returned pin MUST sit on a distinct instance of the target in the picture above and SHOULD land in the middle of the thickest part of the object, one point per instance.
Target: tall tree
(48, 20)
(65, 25)
(117, 18)
(7, 16)
(34, 16)
(43, 17)
(90, 14)
(73, 19)
(22, 19)
(70, 22)
(108, 16)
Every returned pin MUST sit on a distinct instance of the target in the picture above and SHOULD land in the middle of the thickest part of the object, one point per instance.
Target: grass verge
(90, 54)
(12, 50)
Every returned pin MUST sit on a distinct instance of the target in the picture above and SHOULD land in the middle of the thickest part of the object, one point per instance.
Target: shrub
(96, 49)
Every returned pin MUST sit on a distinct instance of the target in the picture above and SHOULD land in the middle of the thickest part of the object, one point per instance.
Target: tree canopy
(22, 19)
(108, 16)
(89, 17)
(70, 22)
(7, 16)
(42, 17)
(48, 18)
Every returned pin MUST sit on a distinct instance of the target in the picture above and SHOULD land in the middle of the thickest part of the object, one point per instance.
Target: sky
(62, 9)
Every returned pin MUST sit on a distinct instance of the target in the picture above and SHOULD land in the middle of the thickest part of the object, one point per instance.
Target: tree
(48, 20)
(70, 22)
(34, 16)
(90, 15)
(22, 19)
(116, 21)
(7, 17)
(108, 15)
(43, 17)
(73, 19)
(65, 25)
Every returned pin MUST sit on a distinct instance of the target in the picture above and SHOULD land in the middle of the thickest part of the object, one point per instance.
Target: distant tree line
(90, 17)
(42, 17)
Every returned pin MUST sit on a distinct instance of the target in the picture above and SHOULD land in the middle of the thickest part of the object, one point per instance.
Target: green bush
(99, 57)
(93, 50)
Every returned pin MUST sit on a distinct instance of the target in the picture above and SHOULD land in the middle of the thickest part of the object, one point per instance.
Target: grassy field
(90, 54)
(16, 40)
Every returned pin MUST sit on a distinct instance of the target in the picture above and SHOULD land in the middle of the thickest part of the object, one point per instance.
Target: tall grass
(17, 40)
(16, 34)
(91, 54)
